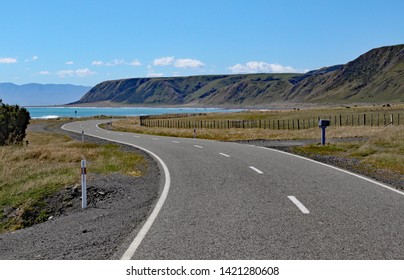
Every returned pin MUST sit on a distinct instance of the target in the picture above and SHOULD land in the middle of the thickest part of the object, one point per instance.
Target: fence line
(380, 119)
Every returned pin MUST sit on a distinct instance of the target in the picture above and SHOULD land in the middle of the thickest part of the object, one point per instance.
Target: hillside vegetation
(374, 77)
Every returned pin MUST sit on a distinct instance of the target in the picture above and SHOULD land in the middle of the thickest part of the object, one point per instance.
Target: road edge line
(150, 220)
(337, 168)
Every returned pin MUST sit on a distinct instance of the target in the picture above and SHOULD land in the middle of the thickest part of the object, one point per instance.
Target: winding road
(235, 201)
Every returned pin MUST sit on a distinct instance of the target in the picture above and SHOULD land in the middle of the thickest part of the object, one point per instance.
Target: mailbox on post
(323, 124)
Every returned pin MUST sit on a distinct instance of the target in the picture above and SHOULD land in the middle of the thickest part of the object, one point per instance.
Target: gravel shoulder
(117, 207)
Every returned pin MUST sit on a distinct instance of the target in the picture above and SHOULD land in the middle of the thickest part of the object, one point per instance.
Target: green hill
(374, 77)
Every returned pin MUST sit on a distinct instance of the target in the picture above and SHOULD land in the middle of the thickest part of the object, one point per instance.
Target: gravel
(117, 206)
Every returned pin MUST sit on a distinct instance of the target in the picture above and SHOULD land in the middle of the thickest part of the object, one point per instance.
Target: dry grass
(50, 162)
(379, 147)
(383, 149)
(131, 125)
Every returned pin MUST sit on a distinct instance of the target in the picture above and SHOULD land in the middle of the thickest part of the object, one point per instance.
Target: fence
(277, 124)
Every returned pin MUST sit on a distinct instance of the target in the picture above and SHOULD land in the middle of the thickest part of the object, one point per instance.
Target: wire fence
(368, 119)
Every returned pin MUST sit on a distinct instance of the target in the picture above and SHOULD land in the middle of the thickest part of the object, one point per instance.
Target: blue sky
(89, 41)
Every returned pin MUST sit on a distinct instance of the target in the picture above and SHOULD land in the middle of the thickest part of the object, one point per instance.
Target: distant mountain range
(374, 77)
(38, 94)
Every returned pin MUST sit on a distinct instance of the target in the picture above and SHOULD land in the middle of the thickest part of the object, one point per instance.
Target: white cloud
(188, 63)
(155, 75)
(178, 63)
(115, 62)
(44, 73)
(135, 62)
(75, 73)
(7, 60)
(70, 62)
(163, 61)
(34, 58)
(261, 67)
(97, 63)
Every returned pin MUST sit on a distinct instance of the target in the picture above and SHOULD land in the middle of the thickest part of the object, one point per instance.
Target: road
(235, 201)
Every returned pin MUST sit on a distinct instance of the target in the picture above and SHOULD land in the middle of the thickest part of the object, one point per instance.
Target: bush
(13, 123)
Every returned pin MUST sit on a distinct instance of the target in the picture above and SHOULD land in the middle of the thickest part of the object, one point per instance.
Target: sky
(85, 42)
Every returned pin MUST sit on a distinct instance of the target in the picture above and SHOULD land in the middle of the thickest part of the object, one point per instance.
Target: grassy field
(376, 147)
(50, 162)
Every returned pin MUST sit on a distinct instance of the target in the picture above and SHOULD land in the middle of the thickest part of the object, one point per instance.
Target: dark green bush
(13, 123)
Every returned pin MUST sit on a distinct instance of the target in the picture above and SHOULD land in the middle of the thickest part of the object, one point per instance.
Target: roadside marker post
(82, 136)
(323, 124)
(83, 185)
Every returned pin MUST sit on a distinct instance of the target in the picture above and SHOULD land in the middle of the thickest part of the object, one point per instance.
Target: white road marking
(336, 168)
(176, 142)
(155, 139)
(197, 146)
(143, 231)
(256, 170)
(120, 134)
(224, 155)
(135, 136)
(299, 205)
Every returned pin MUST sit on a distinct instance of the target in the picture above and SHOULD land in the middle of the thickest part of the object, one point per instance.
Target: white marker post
(83, 185)
(82, 136)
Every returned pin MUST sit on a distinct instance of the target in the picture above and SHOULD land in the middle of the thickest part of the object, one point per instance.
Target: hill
(39, 94)
(376, 76)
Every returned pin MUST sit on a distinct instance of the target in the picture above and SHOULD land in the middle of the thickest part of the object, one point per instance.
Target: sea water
(56, 112)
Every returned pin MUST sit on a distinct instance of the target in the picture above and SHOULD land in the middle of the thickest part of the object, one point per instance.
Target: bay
(56, 112)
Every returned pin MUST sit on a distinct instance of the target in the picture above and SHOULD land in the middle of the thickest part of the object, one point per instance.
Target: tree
(13, 123)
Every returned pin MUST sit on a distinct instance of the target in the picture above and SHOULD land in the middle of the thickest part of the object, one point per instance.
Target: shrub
(13, 123)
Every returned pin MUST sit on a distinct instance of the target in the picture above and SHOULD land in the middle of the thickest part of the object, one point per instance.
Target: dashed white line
(299, 205)
(156, 139)
(224, 155)
(177, 142)
(135, 136)
(197, 146)
(121, 134)
(256, 170)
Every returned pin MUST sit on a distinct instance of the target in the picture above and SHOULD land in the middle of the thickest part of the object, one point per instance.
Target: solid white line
(143, 231)
(176, 142)
(224, 155)
(299, 205)
(197, 146)
(336, 168)
(256, 170)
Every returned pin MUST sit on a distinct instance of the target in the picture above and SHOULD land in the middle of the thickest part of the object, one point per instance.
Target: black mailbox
(323, 123)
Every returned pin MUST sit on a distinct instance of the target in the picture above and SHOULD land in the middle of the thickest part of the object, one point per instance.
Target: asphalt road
(235, 201)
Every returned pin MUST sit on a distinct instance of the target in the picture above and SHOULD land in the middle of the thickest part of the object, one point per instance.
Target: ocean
(56, 112)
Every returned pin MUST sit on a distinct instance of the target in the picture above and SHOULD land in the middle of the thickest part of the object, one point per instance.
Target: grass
(50, 162)
(377, 147)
